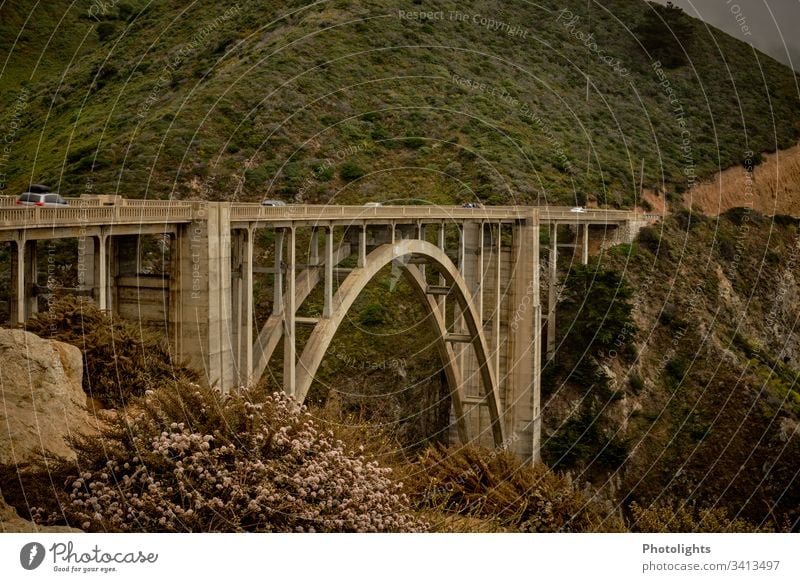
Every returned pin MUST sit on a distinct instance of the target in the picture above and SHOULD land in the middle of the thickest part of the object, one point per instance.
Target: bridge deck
(150, 212)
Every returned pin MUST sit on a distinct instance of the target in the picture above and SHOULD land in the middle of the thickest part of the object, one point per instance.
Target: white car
(372, 204)
(48, 200)
(577, 209)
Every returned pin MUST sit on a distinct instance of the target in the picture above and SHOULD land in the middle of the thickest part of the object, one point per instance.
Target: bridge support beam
(203, 317)
(523, 393)
(23, 280)
(327, 308)
(289, 307)
(277, 286)
(362, 247)
(101, 285)
(552, 291)
(242, 303)
(585, 245)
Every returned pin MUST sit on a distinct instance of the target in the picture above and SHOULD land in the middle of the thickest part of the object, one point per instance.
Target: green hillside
(345, 101)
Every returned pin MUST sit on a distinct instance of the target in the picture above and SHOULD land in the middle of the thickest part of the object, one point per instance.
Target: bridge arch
(354, 284)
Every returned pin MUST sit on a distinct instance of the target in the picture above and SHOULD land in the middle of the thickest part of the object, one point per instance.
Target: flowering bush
(191, 459)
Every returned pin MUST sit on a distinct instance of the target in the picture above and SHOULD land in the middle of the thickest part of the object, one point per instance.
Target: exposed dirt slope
(772, 188)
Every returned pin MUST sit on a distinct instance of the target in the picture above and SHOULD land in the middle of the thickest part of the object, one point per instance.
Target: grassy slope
(269, 93)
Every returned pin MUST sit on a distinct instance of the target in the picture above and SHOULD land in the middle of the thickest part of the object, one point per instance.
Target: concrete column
(175, 312)
(461, 248)
(481, 243)
(422, 234)
(521, 393)
(362, 247)
(100, 266)
(236, 303)
(220, 296)
(313, 254)
(277, 291)
(442, 299)
(247, 266)
(536, 437)
(585, 245)
(552, 291)
(289, 339)
(31, 279)
(471, 271)
(536, 395)
(18, 314)
(204, 319)
(327, 309)
(496, 316)
(458, 320)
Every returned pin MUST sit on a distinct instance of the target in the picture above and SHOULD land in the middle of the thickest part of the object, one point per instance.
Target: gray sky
(773, 24)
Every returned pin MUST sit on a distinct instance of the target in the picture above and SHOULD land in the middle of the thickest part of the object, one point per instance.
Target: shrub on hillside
(121, 360)
(604, 321)
(351, 171)
(582, 441)
(192, 459)
(483, 483)
(650, 239)
(673, 518)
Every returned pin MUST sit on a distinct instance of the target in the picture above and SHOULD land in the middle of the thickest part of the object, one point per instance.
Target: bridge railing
(109, 200)
(243, 211)
(30, 216)
(88, 210)
(590, 215)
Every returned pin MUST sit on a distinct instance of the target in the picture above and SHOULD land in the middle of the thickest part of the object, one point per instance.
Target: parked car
(373, 204)
(49, 199)
(577, 209)
(270, 202)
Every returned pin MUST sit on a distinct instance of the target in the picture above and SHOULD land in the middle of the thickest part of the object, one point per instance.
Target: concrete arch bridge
(475, 271)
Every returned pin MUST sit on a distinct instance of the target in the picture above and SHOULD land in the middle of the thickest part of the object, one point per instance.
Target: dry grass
(775, 187)
(473, 489)
(121, 360)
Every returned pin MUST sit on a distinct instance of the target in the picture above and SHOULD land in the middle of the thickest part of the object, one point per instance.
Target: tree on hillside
(597, 309)
(667, 33)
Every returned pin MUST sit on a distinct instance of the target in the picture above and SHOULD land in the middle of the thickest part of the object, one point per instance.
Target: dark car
(49, 199)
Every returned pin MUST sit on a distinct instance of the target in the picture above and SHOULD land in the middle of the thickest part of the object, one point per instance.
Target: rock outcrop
(42, 401)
